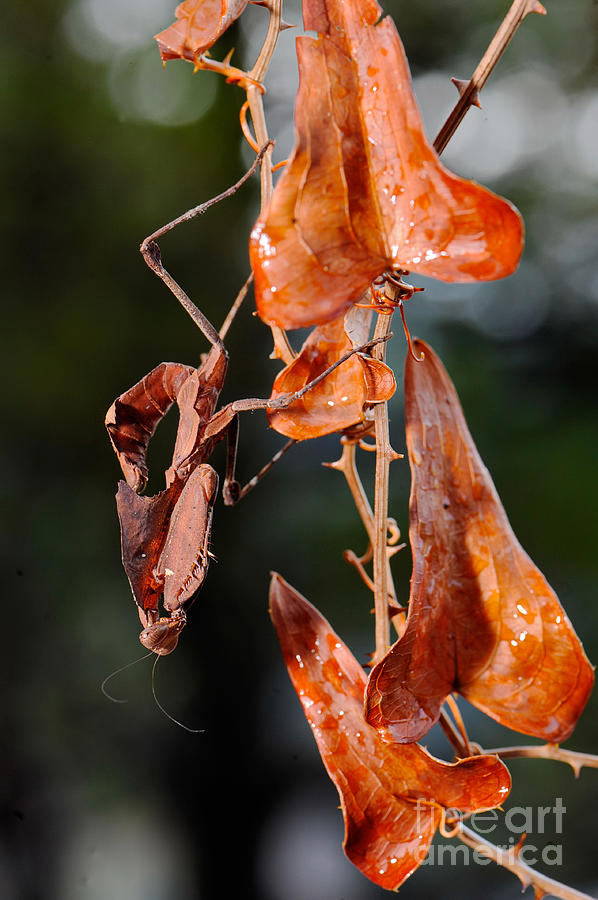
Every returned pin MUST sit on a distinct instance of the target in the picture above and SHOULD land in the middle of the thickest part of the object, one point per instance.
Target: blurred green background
(100, 146)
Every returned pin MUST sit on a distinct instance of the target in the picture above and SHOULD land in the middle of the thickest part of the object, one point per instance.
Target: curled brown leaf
(338, 401)
(364, 191)
(199, 24)
(482, 619)
(392, 796)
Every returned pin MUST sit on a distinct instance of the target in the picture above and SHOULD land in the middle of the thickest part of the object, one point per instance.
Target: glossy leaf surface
(338, 400)
(482, 619)
(387, 832)
(199, 24)
(364, 191)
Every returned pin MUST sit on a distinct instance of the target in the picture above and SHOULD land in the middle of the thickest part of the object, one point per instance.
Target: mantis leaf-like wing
(135, 415)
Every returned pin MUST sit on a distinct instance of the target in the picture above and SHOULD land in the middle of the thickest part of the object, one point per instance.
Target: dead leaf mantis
(165, 537)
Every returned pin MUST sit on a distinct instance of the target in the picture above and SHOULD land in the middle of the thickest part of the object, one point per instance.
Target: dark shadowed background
(100, 146)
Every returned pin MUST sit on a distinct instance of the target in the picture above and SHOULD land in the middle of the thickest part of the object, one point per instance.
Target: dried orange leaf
(380, 380)
(482, 619)
(199, 25)
(364, 191)
(390, 795)
(338, 400)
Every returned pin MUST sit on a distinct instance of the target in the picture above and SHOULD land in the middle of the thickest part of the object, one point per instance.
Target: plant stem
(454, 708)
(282, 347)
(549, 751)
(274, 28)
(256, 107)
(384, 456)
(346, 465)
(508, 860)
(469, 90)
(451, 732)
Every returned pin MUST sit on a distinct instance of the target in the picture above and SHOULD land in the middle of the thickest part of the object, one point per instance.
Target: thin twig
(469, 91)
(508, 859)
(275, 26)
(452, 705)
(384, 456)
(452, 733)
(573, 758)
(346, 465)
(256, 106)
(358, 562)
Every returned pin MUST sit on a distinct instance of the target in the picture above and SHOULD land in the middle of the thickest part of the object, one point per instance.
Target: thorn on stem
(536, 7)
(392, 551)
(394, 609)
(461, 84)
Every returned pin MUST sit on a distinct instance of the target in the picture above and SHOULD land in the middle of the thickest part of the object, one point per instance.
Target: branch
(549, 751)
(384, 456)
(452, 734)
(451, 702)
(282, 348)
(508, 859)
(469, 90)
(346, 465)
